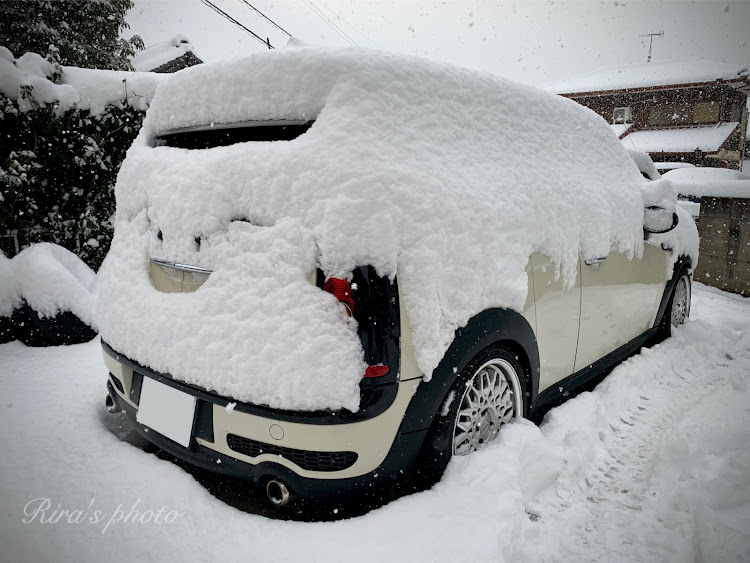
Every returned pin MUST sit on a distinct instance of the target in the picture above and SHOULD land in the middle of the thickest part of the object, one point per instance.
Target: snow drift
(449, 177)
(651, 466)
(53, 280)
(47, 296)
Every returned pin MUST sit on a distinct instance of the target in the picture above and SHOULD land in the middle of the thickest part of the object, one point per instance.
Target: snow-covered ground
(653, 465)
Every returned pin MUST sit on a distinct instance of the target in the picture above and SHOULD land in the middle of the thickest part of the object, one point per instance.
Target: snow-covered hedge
(65, 133)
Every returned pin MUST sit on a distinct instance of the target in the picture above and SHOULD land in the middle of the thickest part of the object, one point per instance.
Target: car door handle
(594, 262)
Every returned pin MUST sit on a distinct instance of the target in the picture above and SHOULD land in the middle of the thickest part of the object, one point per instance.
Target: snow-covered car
(330, 266)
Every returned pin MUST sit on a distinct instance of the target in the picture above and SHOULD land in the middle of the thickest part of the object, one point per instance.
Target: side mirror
(657, 220)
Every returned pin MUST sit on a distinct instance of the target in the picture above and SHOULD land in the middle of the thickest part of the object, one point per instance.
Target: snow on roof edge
(655, 74)
(161, 53)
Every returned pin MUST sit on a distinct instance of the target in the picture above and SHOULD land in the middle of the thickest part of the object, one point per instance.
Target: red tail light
(342, 291)
(377, 371)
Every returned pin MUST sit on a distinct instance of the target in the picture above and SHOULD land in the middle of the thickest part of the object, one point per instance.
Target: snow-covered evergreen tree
(58, 163)
(82, 33)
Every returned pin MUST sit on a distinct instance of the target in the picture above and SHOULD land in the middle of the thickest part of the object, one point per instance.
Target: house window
(706, 112)
(622, 115)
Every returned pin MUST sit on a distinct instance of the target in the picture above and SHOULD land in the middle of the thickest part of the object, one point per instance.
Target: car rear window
(223, 135)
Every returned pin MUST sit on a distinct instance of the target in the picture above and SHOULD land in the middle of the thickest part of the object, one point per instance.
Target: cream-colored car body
(611, 303)
(370, 439)
(619, 301)
(614, 300)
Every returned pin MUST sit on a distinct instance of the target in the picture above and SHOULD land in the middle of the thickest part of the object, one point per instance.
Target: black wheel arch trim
(683, 263)
(491, 326)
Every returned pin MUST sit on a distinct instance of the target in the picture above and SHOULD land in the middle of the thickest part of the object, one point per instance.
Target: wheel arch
(683, 264)
(492, 326)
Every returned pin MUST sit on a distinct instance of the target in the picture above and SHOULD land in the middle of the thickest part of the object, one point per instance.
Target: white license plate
(168, 411)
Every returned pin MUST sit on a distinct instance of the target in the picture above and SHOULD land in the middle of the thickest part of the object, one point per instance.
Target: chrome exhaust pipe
(278, 493)
(111, 405)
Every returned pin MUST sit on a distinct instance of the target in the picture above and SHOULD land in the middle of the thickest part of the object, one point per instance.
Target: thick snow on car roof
(448, 176)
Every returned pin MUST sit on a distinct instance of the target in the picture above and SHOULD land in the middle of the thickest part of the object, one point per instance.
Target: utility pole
(651, 41)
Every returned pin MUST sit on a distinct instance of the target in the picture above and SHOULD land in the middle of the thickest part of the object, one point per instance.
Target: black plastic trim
(135, 384)
(488, 327)
(683, 263)
(309, 460)
(561, 390)
(402, 455)
(203, 426)
(375, 401)
(117, 383)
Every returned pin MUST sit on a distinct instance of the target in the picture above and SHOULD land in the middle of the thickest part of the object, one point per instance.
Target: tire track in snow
(606, 502)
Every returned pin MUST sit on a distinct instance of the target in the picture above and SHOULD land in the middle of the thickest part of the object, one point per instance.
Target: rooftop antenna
(651, 41)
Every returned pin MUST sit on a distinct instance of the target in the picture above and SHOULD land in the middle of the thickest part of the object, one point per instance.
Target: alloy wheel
(492, 398)
(681, 302)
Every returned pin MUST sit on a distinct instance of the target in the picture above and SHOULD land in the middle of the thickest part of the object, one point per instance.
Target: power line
(333, 26)
(350, 25)
(332, 23)
(265, 17)
(235, 22)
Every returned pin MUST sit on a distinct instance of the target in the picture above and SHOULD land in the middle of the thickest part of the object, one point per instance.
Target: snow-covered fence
(725, 243)
(724, 225)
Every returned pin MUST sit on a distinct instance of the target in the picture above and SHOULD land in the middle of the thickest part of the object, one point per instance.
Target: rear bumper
(284, 446)
(401, 456)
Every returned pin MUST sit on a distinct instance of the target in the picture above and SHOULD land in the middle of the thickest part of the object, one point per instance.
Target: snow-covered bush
(83, 33)
(47, 296)
(65, 133)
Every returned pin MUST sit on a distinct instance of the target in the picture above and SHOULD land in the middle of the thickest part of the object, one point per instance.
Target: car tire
(678, 307)
(488, 393)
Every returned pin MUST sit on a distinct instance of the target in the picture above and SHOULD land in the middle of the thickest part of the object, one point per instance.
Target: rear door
(557, 313)
(618, 301)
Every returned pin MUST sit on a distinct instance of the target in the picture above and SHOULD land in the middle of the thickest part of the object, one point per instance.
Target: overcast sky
(530, 41)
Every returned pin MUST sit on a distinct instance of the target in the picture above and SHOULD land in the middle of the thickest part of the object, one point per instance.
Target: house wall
(724, 230)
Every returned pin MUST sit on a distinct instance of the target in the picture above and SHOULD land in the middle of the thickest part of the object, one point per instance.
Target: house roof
(162, 53)
(650, 75)
(706, 139)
